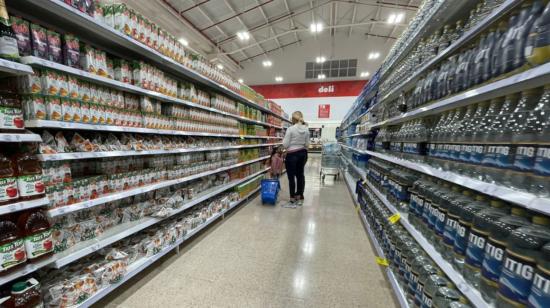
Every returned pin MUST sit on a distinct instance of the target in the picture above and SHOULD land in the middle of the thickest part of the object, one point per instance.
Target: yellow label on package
(382, 261)
(394, 218)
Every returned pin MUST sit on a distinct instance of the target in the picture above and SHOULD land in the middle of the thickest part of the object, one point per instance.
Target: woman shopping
(296, 142)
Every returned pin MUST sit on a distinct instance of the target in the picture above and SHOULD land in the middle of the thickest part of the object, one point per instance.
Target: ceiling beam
(194, 6)
(237, 15)
(271, 50)
(352, 19)
(382, 4)
(267, 20)
(292, 25)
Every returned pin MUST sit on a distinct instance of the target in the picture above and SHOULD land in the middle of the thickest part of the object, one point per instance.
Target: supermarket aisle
(262, 256)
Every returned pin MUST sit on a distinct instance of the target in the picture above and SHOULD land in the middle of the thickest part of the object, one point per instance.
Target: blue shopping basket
(270, 190)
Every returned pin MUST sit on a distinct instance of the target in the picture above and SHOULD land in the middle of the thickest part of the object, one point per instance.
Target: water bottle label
(455, 151)
(418, 294)
(488, 155)
(407, 271)
(426, 300)
(461, 238)
(503, 156)
(476, 154)
(397, 257)
(516, 278)
(426, 212)
(440, 222)
(465, 151)
(540, 290)
(432, 216)
(525, 158)
(475, 250)
(450, 230)
(419, 207)
(413, 282)
(542, 161)
(491, 266)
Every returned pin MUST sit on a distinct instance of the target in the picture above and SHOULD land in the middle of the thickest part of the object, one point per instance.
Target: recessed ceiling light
(243, 35)
(316, 27)
(396, 18)
(267, 63)
(183, 41)
(320, 59)
(278, 78)
(365, 74)
(219, 66)
(374, 55)
(321, 76)
(240, 80)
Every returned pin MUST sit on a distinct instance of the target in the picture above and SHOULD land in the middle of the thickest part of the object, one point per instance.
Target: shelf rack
(466, 37)
(89, 155)
(126, 129)
(15, 137)
(115, 84)
(23, 205)
(531, 78)
(14, 68)
(127, 229)
(138, 266)
(463, 286)
(140, 190)
(399, 294)
(90, 29)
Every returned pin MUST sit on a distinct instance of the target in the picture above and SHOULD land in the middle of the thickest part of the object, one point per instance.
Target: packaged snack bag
(73, 87)
(63, 85)
(21, 28)
(53, 108)
(54, 46)
(77, 114)
(108, 15)
(50, 82)
(30, 84)
(67, 110)
(39, 39)
(71, 50)
(88, 58)
(36, 108)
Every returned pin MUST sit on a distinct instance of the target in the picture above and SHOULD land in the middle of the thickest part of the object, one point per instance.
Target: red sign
(324, 111)
(314, 89)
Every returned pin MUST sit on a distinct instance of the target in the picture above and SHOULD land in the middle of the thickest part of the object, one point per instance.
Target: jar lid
(19, 286)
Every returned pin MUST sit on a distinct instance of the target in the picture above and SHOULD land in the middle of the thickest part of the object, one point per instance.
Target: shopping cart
(330, 160)
(269, 191)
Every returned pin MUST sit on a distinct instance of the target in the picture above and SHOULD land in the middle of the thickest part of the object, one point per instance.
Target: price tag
(382, 261)
(394, 218)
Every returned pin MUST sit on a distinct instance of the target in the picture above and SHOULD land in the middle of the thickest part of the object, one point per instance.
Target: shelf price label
(382, 261)
(394, 218)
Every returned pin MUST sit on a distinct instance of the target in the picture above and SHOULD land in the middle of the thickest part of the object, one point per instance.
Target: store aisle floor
(263, 256)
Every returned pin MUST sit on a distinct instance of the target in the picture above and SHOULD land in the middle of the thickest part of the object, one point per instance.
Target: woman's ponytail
(298, 117)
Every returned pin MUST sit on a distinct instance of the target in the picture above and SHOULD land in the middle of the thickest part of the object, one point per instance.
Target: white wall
(339, 106)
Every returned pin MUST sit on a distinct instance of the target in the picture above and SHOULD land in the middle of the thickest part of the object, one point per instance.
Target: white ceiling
(279, 30)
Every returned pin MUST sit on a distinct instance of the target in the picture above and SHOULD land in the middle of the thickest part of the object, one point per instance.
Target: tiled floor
(264, 256)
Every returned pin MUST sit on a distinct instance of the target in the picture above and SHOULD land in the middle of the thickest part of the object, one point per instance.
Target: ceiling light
(321, 76)
(219, 66)
(243, 35)
(240, 80)
(267, 63)
(320, 59)
(278, 78)
(183, 41)
(365, 74)
(396, 18)
(374, 55)
(316, 27)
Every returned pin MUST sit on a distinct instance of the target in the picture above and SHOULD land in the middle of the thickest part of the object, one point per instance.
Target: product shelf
(140, 190)
(122, 231)
(481, 26)
(9, 137)
(88, 155)
(463, 286)
(143, 263)
(399, 294)
(83, 25)
(531, 78)
(125, 129)
(112, 83)
(359, 171)
(23, 205)
(25, 270)
(524, 199)
(14, 68)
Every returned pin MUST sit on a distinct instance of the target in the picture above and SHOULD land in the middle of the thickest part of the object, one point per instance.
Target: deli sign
(312, 89)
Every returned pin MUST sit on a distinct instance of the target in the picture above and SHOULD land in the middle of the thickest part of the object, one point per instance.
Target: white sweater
(296, 137)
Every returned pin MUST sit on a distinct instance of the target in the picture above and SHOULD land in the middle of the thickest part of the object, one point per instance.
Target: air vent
(332, 69)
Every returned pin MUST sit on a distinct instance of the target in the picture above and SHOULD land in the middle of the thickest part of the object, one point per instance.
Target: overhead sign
(313, 89)
(324, 111)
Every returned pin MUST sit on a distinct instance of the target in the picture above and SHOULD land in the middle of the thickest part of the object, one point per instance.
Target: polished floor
(264, 256)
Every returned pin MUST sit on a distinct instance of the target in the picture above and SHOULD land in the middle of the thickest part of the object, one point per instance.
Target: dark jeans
(295, 163)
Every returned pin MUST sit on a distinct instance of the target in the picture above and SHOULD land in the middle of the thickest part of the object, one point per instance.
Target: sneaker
(300, 202)
(290, 204)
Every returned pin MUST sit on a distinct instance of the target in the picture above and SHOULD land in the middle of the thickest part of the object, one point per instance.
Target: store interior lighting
(240, 80)
(373, 55)
(321, 76)
(396, 18)
(243, 35)
(365, 74)
(316, 27)
(219, 66)
(183, 41)
(320, 59)
(278, 78)
(267, 63)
